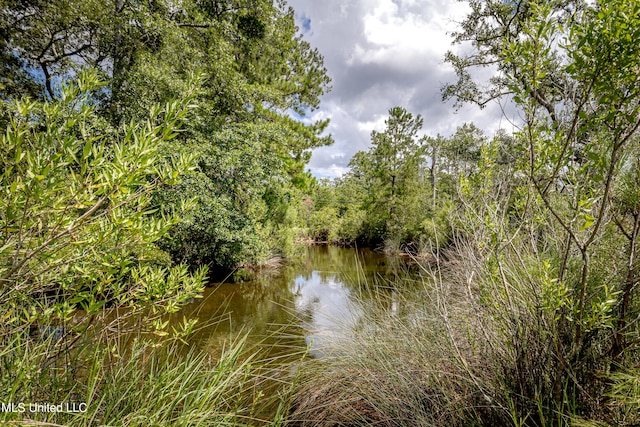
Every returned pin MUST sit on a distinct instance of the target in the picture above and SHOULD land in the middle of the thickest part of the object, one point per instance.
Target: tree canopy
(257, 78)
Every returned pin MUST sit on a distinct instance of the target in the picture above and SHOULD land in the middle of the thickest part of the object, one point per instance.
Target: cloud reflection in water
(328, 312)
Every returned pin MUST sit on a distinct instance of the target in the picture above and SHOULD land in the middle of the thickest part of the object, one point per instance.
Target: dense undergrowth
(464, 347)
(140, 383)
(533, 317)
(81, 273)
(113, 207)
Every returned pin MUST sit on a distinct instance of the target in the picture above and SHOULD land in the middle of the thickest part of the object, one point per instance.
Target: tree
(434, 149)
(488, 27)
(396, 152)
(390, 170)
(572, 68)
(463, 149)
(257, 75)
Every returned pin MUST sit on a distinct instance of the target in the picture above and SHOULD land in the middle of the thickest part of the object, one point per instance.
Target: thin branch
(192, 25)
(63, 233)
(47, 80)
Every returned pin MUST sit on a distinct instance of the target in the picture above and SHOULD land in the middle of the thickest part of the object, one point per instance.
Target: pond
(301, 306)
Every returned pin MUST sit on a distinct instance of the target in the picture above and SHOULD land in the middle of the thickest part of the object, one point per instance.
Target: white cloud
(380, 54)
(376, 124)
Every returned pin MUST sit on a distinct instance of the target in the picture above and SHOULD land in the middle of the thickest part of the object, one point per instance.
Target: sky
(381, 54)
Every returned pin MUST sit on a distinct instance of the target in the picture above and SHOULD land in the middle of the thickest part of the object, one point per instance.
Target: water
(305, 304)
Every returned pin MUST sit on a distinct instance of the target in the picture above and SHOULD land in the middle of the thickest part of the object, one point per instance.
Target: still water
(303, 306)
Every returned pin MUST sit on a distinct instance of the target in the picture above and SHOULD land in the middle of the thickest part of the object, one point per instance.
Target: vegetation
(137, 385)
(399, 194)
(145, 142)
(85, 291)
(254, 73)
(535, 300)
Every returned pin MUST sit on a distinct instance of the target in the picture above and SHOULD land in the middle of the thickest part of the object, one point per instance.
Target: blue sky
(381, 54)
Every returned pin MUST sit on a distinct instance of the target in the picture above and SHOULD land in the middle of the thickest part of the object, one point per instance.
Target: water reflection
(311, 302)
(328, 312)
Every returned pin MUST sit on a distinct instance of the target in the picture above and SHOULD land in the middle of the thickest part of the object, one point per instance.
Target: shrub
(77, 228)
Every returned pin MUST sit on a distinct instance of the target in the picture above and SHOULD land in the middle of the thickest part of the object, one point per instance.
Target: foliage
(98, 183)
(259, 78)
(399, 192)
(77, 224)
(390, 168)
(416, 359)
(533, 320)
(233, 184)
(572, 69)
(79, 267)
(544, 227)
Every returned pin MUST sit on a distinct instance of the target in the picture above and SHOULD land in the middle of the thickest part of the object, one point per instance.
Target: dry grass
(470, 346)
(424, 365)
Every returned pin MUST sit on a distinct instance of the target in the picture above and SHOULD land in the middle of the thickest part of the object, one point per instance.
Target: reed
(472, 345)
(142, 385)
(412, 361)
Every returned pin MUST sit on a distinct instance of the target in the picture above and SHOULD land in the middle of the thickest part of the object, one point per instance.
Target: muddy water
(302, 306)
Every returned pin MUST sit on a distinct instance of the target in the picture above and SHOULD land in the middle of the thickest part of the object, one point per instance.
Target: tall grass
(477, 344)
(141, 385)
(420, 363)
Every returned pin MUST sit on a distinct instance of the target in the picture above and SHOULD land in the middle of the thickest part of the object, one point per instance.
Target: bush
(421, 365)
(479, 343)
(350, 226)
(78, 231)
(323, 224)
